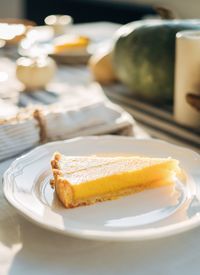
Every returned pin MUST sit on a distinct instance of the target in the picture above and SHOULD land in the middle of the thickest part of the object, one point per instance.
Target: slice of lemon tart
(86, 180)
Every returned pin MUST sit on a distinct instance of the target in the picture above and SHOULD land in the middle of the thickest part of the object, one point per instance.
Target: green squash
(144, 57)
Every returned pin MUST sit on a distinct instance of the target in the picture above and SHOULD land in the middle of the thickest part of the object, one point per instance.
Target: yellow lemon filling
(71, 44)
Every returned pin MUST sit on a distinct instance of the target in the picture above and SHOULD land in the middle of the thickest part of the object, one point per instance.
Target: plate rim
(146, 234)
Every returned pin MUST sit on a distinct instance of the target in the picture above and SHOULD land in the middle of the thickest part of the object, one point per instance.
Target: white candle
(187, 77)
(59, 23)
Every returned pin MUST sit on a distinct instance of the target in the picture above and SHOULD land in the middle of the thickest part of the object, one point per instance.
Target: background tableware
(187, 77)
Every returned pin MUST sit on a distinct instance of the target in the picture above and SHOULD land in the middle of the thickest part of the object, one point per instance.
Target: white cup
(187, 77)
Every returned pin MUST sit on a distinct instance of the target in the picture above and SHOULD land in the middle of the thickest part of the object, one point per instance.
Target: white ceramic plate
(146, 215)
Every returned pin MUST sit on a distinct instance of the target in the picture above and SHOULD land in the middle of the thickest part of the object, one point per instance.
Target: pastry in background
(71, 44)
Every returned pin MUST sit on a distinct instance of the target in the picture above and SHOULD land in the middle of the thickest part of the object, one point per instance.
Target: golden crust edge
(62, 187)
(64, 192)
(55, 168)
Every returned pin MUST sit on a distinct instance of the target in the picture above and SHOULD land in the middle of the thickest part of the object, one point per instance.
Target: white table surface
(26, 248)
